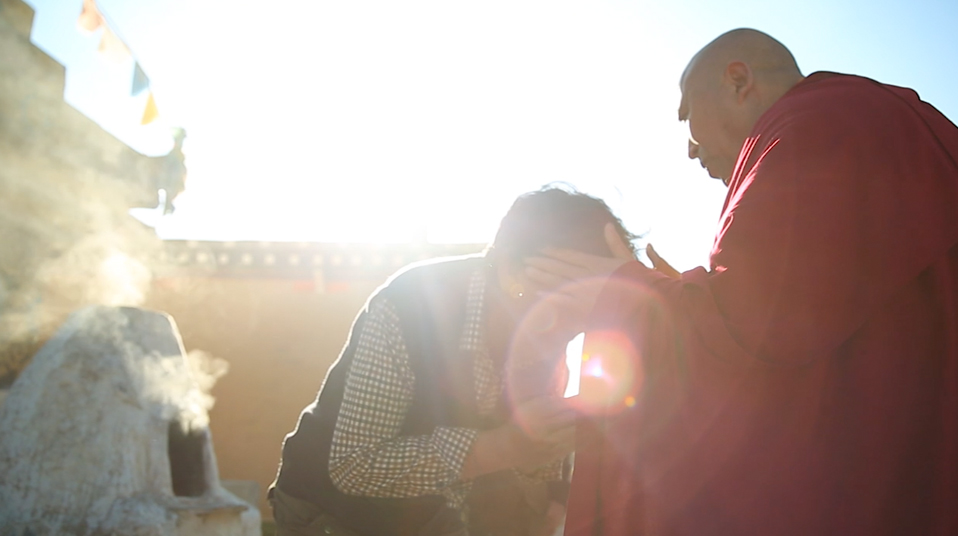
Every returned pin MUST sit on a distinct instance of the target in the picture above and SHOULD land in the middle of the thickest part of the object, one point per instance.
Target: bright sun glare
(423, 121)
(573, 361)
(390, 121)
(398, 121)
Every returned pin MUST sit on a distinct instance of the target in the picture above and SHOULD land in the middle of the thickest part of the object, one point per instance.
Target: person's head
(726, 87)
(551, 217)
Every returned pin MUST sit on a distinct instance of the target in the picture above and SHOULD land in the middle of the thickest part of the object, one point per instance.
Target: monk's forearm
(630, 291)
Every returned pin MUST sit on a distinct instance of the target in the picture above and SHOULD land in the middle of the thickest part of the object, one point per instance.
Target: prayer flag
(150, 113)
(140, 80)
(90, 18)
(112, 47)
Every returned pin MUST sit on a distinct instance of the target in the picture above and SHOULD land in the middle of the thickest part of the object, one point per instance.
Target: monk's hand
(660, 264)
(574, 279)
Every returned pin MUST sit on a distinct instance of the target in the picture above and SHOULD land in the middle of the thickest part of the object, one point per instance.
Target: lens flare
(536, 356)
(611, 377)
(593, 369)
(608, 372)
(573, 363)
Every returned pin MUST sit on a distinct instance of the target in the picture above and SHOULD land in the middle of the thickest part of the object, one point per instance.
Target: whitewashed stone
(105, 432)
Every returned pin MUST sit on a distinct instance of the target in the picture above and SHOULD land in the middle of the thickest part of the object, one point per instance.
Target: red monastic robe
(807, 383)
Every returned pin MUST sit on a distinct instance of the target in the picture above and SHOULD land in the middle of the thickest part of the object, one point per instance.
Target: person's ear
(740, 78)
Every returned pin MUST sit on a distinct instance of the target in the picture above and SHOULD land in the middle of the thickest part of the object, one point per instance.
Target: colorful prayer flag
(140, 80)
(150, 113)
(90, 18)
(113, 47)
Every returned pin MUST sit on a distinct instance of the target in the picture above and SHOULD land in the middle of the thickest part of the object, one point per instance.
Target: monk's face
(714, 117)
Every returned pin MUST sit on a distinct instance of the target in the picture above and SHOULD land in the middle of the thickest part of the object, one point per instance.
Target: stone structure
(106, 432)
(66, 239)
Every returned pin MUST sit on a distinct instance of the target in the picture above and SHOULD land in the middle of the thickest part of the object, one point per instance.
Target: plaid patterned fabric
(368, 457)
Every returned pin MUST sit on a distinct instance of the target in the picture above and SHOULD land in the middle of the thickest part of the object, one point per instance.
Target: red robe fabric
(807, 383)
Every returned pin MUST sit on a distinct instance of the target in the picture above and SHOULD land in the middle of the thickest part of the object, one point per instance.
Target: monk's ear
(740, 77)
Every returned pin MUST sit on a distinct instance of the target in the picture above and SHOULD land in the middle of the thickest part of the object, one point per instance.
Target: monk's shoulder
(835, 103)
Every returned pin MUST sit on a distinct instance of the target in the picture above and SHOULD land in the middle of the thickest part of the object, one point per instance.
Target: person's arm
(541, 431)
(368, 457)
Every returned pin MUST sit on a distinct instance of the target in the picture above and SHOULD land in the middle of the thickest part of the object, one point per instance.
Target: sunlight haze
(422, 120)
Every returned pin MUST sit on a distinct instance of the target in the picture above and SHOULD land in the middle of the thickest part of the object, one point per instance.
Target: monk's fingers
(616, 244)
(660, 264)
(586, 264)
(569, 302)
(544, 279)
(573, 257)
(555, 267)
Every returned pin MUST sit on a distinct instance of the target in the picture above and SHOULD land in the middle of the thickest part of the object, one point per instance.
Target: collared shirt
(368, 457)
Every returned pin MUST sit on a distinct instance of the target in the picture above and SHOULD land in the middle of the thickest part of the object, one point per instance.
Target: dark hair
(555, 217)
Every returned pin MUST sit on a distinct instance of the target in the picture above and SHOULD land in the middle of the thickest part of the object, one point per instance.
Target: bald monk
(807, 382)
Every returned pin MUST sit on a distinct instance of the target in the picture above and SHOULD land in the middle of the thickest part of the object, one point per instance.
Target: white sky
(373, 121)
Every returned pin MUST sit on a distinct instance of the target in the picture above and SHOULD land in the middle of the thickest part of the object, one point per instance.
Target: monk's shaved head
(766, 56)
(726, 87)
